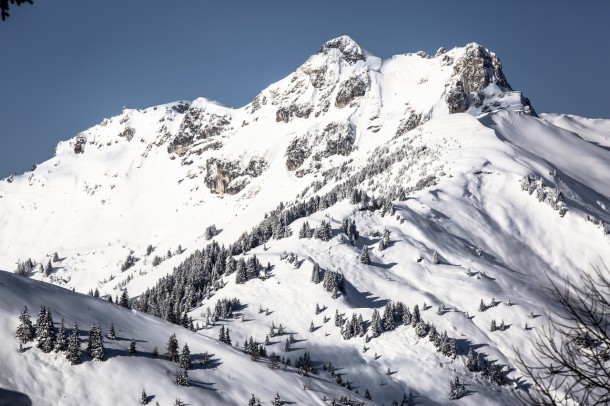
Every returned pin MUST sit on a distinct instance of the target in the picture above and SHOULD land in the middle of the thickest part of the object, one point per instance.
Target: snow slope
(504, 197)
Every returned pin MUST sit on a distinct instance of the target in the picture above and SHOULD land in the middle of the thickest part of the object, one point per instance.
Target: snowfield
(488, 200)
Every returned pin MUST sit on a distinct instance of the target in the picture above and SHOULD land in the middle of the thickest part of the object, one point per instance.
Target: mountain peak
(348, 48)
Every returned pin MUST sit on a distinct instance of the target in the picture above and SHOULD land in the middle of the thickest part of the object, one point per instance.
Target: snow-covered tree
(132, 346)
(416, 316)
(45, 331)
(376, 328)
(73, 353)
(456, 389)
(435, 258)
(277, 401)
(185, 357)
(172, 348)
(61, 340)
(124, 301)
(96, 343)
(144, 398)
(315, 273)
(364, 256)
(182, 378)
(25, 330)
(111, 333)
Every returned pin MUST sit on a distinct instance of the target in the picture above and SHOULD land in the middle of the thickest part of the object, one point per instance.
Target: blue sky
(67, 64)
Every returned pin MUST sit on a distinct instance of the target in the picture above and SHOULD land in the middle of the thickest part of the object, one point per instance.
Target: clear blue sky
(65, 65)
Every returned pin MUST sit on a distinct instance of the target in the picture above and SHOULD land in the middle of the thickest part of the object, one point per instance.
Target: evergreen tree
(277, 401)
(456, 389)
(48, 269)
(315, 273)
(388, 318)
(25, 330)
(132, 346)
(73, 353)
(111, 334)
(376, 328)
(252, 401)
(312, 328)
(155, 352)
(55, 257)
(367, 395)
(172, 348)
(96, 340)
(407, 317)
(124, 301)
(45, 331)
(144, 398)
(364, 256)
(435, 258)
(185, 357)
(416, 316)
(182, 378)
(492, 326)
(482, 306)
(287, 345)
(61, 339)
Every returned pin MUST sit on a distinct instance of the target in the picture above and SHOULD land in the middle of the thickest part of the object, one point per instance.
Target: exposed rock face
(411, 121)
(478, 68)
(294, 110)
(196, 124)
(349, 90)
(127, 133)
(457, 100)
(231, 177)
(296, 153)
(79, 143)
(282, 115)
(334, 139)
(350, 51)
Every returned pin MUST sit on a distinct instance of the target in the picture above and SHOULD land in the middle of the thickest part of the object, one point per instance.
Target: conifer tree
(312, 328)
(185, 357)
(482, 306)
(252, 401)
(96, 346)
(364, 256)
(61, 339)
(376, 328)
(45, 331)
(111, 333)
(416, 316)
(367, 395)
(492, 325)
(172, 348)
(456, 389)
(277, 401)
(407, 317)
(435, 258)
(25, 330)
(144, 398)
(287, 345)
(48, 269)
(55, 257)
(124, 301)
(182, 378)
(132, 346)
(73, 353)
(315, 273)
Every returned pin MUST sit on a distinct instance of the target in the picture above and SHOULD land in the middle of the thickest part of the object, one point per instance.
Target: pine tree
(25, 330)
(277, 401)
(55, 257)
(185, 357)
(172, 348)
(472, 361)
(96, 343)
(155, 352)
(48, 269)
(435, 258)
(364, 256)
(61, 339)
(388, 318)
(407, 317)
(367, 395)
(111, 334)
(132, 346)
(182, 378)
(492, 326)
(312, 328)
(376, 328)
(315, 273)
(73, 353)
(252, 401)
(416, 316)
(482, 306)
(456, 389)
(144, 398)
(45, 331)
(287, 345)
(124, 301)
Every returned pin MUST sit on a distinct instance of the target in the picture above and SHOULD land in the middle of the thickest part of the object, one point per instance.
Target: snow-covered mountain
(481, 198)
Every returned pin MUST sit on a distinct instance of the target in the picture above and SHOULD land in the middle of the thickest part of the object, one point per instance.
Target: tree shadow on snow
(13, 398)
(363, 299)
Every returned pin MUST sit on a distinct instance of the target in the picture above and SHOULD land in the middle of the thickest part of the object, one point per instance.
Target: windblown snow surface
(443, 137)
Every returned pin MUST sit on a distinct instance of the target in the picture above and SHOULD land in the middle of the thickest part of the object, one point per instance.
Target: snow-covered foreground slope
(49, 379)
(482, 200)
